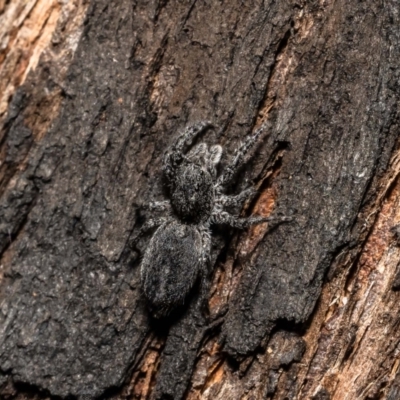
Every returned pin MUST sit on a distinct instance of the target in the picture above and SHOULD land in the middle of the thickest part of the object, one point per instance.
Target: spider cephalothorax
(192, 186)
(179, 250)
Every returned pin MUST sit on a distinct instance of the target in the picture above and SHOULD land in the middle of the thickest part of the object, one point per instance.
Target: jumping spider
(180, 248)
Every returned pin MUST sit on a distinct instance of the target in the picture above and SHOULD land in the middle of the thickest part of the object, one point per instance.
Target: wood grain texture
(308, 310)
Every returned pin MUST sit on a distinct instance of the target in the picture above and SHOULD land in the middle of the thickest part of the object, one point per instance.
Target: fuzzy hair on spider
(179, 250)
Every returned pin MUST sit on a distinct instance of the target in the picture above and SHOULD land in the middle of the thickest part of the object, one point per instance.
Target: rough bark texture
(93, 92)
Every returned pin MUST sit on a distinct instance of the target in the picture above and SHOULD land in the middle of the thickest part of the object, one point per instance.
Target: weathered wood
(308, 307)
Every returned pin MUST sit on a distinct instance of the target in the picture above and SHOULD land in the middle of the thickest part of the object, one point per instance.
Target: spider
(179, 250)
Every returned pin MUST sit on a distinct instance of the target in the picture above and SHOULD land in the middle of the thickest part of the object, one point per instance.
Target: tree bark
(92, 94)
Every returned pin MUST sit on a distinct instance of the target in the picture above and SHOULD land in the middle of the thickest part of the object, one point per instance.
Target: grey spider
(179, 249)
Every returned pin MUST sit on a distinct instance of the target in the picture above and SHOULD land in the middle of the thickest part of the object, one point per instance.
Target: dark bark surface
(324, 79)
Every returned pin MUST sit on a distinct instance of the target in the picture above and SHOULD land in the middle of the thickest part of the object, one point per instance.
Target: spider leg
(241, 223)
(206, 248)
(175, 155)
(205, 264)
(238, 160)
(148, 225)
(164, 205)
(236, 200)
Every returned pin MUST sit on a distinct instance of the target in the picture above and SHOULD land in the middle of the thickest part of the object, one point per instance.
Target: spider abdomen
(170, 266)
(192, 194)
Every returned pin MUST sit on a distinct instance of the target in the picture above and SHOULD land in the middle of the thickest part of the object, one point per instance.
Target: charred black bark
(73, 319)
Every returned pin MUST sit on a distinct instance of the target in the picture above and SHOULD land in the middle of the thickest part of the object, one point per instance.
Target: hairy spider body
(173, 247)
(179, 250)
(192, 193)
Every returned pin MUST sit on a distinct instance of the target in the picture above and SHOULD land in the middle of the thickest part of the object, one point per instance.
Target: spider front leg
(175, 155)
(239, 158)
(241, 223)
